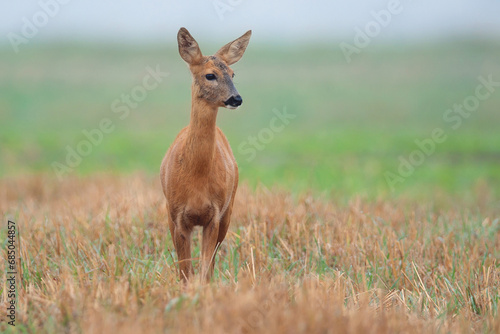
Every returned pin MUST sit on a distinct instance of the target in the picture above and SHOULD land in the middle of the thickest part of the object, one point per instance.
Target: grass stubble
(96, 257)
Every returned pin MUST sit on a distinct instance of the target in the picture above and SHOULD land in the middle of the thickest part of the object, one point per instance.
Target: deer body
(199, 174)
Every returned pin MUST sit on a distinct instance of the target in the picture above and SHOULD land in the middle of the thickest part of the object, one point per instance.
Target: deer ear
(233, 51)
(188, 48)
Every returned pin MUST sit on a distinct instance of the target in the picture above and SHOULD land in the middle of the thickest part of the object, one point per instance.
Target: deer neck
(200, 143)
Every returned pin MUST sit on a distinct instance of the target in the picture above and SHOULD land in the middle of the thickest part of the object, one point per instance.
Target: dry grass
(97, 257)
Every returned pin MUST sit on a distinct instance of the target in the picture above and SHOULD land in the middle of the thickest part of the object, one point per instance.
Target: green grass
(353, 121)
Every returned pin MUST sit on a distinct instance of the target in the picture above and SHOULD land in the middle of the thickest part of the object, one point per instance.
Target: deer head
(212, 76)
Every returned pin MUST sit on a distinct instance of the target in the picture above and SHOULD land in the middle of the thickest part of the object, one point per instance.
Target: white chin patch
(231, 107)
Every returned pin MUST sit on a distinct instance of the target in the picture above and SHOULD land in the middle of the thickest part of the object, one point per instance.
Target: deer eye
(210, 77)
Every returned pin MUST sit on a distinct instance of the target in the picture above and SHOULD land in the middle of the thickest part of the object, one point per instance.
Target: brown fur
(199, 174)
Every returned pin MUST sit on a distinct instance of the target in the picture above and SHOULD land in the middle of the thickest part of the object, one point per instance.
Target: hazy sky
(271, 21)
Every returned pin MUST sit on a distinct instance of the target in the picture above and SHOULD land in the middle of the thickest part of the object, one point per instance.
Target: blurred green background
(353, 121)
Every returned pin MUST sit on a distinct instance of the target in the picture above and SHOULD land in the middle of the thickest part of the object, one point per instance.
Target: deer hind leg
(182, 243)
(224, 223)
(209, 246)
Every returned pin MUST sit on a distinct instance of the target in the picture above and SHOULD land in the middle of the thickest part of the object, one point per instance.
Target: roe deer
(199, 174)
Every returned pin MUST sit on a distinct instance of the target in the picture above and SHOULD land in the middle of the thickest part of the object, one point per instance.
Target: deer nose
(234, 101)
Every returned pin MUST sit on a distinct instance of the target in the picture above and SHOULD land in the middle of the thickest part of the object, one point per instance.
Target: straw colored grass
(96, 257)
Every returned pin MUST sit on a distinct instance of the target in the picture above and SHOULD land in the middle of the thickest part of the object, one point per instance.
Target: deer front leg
(209, 246)
(182, 243)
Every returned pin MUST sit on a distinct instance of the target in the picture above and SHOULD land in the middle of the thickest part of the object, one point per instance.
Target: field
(321, 241)
(289, 264)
